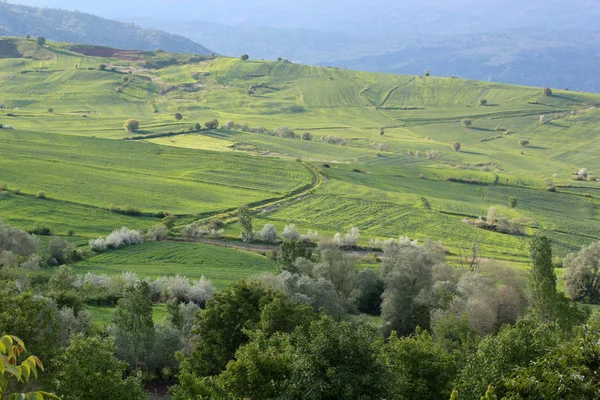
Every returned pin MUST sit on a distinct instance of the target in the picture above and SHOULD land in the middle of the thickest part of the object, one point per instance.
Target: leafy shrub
(268, 233)
(131, 125)
(41, 230)
(61, 251)
(290, 233)
(456, 146)
(118, 238)
(17, 191)
(213, 124)
(157, 232)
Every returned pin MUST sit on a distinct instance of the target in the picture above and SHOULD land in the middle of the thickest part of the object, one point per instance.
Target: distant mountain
(535, 57)
(528, 57)
(62, 25)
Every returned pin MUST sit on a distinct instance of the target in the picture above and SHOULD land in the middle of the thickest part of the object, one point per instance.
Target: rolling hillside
(379, 157)
(62, 25)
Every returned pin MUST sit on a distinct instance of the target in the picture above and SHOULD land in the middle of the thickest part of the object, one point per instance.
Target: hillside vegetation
(379, 157)
(74, 26)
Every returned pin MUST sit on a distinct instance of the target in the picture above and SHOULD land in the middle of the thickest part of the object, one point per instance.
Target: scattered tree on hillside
(27, 36)
(285, 132)
(456, 146)
(230, 124)
(483, 102)
(51, 110)
(244, 57)
(213, 124)
(131, 125)
(381, 131)
(427, 73)
(524, 142)
(245, 221)
(306, 136)
(547, 92)
(102, 67)
(512, 202)
(467, 123)
(178, 116)
(41, 41)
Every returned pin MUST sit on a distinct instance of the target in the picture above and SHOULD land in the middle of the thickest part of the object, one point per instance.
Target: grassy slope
(418, 113)
(194, 260)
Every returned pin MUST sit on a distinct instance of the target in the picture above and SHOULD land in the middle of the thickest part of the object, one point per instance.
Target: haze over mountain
(62, 25)
(544, 43)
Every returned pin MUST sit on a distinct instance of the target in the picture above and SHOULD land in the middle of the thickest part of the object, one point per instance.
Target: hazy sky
(379, 16)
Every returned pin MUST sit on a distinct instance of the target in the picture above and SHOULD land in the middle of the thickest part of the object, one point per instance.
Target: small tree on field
(244, 57)
(381, 131)
(41, 195)
(427, 73)
(230, 124)
(214, 124)
(51, 110)
(512, 202)
(467, 123)
(547, 92)
(197, 127)
(483, 102)
(524, 142)
(41, 41)
(102, 67)
(306, 136)
(132, 125)
(178, 116)
(456, 146)
(245, 220)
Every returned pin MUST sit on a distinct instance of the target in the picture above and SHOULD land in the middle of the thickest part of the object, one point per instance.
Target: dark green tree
(220, 328)
(542, 279)
(178, 116)
(244, 57)
(41, 41)
(289, 252)
(88, 369)
(420, 368)
(336, 360)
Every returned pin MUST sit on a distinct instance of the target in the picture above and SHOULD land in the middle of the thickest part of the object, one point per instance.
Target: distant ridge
(73, 26)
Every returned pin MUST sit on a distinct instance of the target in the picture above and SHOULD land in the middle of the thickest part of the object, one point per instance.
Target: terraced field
(375, 175)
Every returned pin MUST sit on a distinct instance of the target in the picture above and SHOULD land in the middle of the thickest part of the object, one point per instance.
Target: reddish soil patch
(101, 51)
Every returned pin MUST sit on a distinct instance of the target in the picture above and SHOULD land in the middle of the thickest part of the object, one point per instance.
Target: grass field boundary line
(305, 190)
(389, 94)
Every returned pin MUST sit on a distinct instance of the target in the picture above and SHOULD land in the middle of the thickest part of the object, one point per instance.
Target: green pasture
(221, 265)
(376, 180)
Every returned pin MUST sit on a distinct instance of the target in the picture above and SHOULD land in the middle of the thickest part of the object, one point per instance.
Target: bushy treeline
(302, 333)
(254, 342)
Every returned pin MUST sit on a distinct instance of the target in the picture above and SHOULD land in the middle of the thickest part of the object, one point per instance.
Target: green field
(221, 265)
(77, 156)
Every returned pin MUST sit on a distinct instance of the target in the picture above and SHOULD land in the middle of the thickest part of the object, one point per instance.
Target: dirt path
(253, 247)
